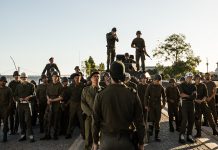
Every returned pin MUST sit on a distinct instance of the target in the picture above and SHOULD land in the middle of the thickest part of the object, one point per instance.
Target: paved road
(169, 141)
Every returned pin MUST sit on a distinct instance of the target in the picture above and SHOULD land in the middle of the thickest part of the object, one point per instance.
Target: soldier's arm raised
(44, 70)
(85, 107)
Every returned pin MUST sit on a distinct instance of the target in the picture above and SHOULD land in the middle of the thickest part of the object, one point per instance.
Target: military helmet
(114, 29)
(55, 73)
(64, 79)
(74, 75)
(188, 74)
(117, 71)
(3, 78)
(16, 73)
(158, 77)
(138, 32)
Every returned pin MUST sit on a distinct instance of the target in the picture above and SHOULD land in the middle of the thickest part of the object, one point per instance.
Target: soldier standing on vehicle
(115, 109)
(23, 95)
(154, 102)
(111, 39)
(139, 44)
(6, 98)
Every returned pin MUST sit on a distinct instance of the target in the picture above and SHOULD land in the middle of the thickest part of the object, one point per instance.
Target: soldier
(139, 44)
(188, 94)
(13, 118)
(64, 107)
(106, 80)
(201, 107)
(154, 102)
(211, 89)
(54, 94)
(75, 91)
(6, 98)
(87, 101)
(111, 39)
(77, 70)
(34, 105)
(142, 87)
(129, 83)
(23, 95)
(50, 68)
(42, 100)
(112, 119)
(173, 97)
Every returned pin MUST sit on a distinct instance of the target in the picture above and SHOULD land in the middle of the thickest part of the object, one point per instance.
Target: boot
(157, 138)
(151, 130)
(190, 139)
(198, 134)
(215, 132)
(182, 139)
(4, 137)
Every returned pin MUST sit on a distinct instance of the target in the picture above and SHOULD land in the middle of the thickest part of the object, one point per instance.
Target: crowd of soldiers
(112, 109)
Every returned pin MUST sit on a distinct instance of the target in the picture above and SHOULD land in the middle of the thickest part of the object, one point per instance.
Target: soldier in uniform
(106, 79)
(173, 97)
(112, 119)
(13, 117)
(201, 107)
(87, 101)
(188, 93)
(50, 68)
(75, 90)
(154, 102)
(6, 98)
(129, 83)
(111, 39)
(23, 94)
(139, 44)
(42, 100)
(54, 94)
(211, 89)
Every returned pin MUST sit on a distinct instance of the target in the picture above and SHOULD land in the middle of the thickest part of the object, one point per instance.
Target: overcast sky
(69, 30)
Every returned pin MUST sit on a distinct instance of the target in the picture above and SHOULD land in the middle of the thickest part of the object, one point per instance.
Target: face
(51, 61)
(107, 79)
(138, 35)
(65, 83)
(16, 77)
(2, 83)
(207, 77)
(197, 80)
(54, 78)
(188, 79)
(77, 79)
(44, 80)
(23, 80)
(95, 79)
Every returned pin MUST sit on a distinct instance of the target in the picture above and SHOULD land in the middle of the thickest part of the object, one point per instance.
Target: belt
(24, 102)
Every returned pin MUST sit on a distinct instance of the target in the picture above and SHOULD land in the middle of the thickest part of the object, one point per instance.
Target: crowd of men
(114, 109)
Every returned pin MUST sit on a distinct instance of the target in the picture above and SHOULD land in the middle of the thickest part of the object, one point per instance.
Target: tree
(178, 53)
(90, 65)
(101, 67)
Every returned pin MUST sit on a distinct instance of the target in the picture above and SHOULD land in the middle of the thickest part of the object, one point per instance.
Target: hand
(141, 147)
(94, 146)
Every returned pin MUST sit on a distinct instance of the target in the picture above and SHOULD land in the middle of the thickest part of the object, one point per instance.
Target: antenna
(14, 63)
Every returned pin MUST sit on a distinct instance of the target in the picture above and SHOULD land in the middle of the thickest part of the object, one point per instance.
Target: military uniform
(13, 117)
(53, 110)
(187, 107)
(203, 108)
(153, 97)
(49, 69)
(141, 92)
(22, 91)
(87, 102)
(212, 103)
(111, 39)
(42, 102)
(6, 97)
(75, 108)
(173, 97)
(115, 109)
(140, 53)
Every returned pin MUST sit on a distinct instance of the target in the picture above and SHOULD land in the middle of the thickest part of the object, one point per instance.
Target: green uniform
(116, 108)
(53, 110)
(75, 108)
(202, 108)
(110, 48)
(13, 114)
(6, 97)
(212, 103)
(140, 44)
(173, 97)
(42, 101)
(23, 91)
(87, 102)
(153, 97)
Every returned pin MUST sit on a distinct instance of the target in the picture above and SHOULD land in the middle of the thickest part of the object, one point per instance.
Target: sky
(70, 31)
